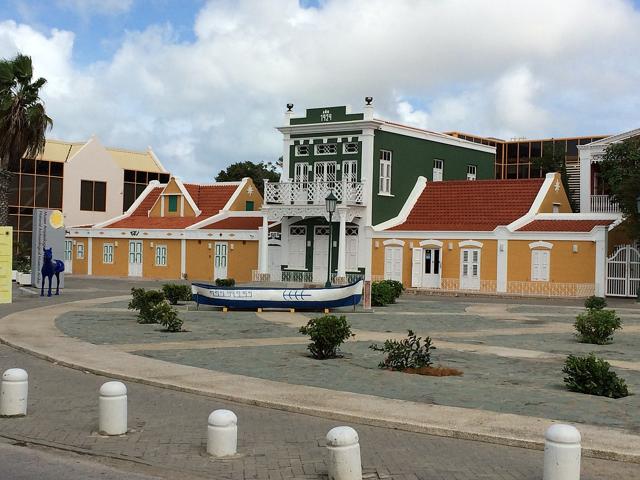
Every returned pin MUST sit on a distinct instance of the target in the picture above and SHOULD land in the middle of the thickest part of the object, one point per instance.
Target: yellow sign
(56, 219)
(6, 255)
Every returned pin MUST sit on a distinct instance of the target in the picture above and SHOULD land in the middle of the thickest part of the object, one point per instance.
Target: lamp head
(330, 202)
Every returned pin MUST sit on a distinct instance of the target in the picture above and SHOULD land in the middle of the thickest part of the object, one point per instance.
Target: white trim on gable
(535, 206)
(156, 160)
(394, 241)
(413, 197)
(236, 194)
(190, 201)
(470, 243)
(540, 244)
(222, 215)
(152, 184)
(431, 241)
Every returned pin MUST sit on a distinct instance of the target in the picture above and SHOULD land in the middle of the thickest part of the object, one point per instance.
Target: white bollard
(113, 409)
(562, 453)
(344, 454)
(222, 433)
(13, 393)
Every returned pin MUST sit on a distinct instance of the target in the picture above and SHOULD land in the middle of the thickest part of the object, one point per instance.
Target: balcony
(313, 193)
(603, 204)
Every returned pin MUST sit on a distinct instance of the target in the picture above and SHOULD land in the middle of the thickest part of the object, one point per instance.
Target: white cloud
(97, 7)
(503, 68)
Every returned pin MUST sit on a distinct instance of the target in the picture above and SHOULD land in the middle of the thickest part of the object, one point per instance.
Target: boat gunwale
(251, 287)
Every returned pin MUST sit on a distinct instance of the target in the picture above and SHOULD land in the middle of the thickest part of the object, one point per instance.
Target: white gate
(623, 272)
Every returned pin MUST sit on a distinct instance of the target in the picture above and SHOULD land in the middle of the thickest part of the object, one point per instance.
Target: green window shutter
(249, 206)
(173, 203)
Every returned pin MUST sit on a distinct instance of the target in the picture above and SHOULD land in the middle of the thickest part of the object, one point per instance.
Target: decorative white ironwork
(313, 193)
(623, 272)
(351, 277)
(603, 204)
(326, 148)
(256, 276)
(297, 276)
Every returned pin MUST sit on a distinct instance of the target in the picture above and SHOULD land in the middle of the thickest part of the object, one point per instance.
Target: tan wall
(199, 260)
(80, 266)
(242, 260)
(240, 203)
(149, 267)
(171, 188)
(559, 197)
(120, 265)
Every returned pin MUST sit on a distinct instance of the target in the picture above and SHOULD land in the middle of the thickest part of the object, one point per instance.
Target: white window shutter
(416, 267)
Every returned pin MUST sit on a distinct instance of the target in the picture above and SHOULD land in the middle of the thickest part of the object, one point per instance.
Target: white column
(342, 242)
(263, 261)
(501, 283)
(601, 261)
(183, 257)
(90, 256)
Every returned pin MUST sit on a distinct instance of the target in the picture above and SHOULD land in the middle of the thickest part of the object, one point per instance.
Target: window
(93, 196)
(302, 150)
(384, 186)
(173, 203)
(161, 256)
(80, 251)
(107, 253)
(301, 172)
(471, 172)
(540, 265)
(248, 205)
(438, 168)
(350, 147)
(326, 149)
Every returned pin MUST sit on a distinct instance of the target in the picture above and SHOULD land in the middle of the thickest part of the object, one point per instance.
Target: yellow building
(494, 236)
(176, 230)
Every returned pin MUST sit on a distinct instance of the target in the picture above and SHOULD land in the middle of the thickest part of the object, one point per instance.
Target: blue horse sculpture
(50, 267)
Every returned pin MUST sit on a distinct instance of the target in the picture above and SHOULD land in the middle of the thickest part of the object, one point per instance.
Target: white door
(135, 258)
(300, 179)
(393, 263)
(220, 260)
(431, 268)
(320, 253)
(416, 267)
(297, 248)
(470, 269)
(350, 176)
(68, 256)
(275, 261)
(325, 173)
(351, 251)
(438, 167)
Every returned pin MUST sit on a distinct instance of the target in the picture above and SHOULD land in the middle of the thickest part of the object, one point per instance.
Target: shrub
(167, 316)
(144, 301)
(21, 263)
(176, 293)
(597, 326)
(327, 334)
(396, 286)
(381, 294)
(407, 353)
(225, 282)
(595, 303)
(593, 376)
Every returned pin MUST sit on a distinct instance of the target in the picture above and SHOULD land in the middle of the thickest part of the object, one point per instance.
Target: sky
(205, 83)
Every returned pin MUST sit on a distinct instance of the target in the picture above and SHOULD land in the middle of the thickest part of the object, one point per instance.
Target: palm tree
(23, 121)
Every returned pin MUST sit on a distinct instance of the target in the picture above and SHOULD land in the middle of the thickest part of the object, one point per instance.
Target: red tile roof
(563, 225)
(237, 223)
(464, 205)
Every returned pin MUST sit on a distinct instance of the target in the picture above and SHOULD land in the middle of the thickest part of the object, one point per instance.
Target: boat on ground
(278, 297)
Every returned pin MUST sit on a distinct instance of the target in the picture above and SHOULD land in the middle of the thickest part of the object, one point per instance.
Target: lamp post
(330, 203)
(638, 204)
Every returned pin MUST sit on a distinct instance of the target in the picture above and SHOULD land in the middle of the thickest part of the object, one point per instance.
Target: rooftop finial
(368, 100)
(289, 107)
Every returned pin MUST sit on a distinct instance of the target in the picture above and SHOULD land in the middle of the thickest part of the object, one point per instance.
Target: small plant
(167, 316)
(144, 301)
(407, 353)
(176, 293)
(593, 376)
(396, 286)
(597, 326)
(595, 303)
(382, 293)
(225, 282)
(327, 334)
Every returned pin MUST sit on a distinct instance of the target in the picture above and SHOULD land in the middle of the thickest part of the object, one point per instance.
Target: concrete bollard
(344, 454)
(113, 409)
(222, 433)
(562, 453)
(13, 393)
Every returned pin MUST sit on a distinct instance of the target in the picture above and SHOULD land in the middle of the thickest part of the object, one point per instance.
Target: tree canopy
(258, 172)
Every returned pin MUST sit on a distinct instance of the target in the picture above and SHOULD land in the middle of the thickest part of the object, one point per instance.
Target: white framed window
(80, 251)
(68, 249)
(161, 256)
(302, 150)
(301, 172)
(350, 147)
(471, 172)
(350, 170)
(107, 253)
(384, 186)
(297, 246)
(540, 260)
(326, 148)
(438, 169)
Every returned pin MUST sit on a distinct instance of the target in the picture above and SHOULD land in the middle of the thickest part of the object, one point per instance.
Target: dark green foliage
(327, 334)
(225, 282)
(258, 172)
(176, 293)
(407, 353)
(144, 301)
(597, 326)
(382, 293)
(593, 376)
(396, 286)
(595, 303)
(167, 316)
(22, 263)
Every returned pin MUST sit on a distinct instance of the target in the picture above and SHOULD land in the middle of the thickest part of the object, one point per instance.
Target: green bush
(327, 334)
(595, 303)
(597, 326)
(176, 293)
(396, 286)
(22, 263)
(407, 353)
(167, 316)
(593, 376)
(144, 301)
(382, 293)
(225, 282)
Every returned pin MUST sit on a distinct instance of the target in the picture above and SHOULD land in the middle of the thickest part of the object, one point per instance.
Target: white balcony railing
(313, 193)
(603, 204)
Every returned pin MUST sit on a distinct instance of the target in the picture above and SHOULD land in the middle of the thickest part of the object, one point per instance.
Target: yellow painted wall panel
(242, 260)
(6, 264)
(120, 265)
(199, 260)
(559, 197)
(149, 268)
(240, 203)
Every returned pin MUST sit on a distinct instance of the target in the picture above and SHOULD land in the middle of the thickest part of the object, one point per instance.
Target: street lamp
(330, 202)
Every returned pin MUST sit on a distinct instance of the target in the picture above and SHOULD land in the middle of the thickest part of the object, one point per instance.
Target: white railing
(603, 204)
(297, 276)
(350, 277)
(312, 193)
